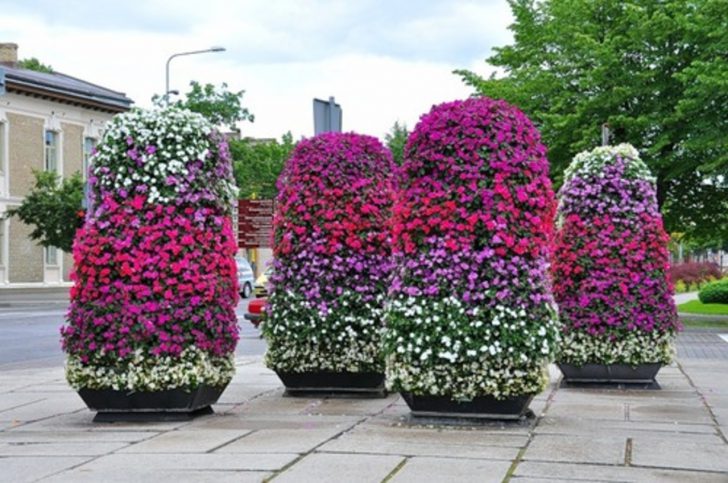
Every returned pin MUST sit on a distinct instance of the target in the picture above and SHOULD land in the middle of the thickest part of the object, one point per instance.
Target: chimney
(9, 54)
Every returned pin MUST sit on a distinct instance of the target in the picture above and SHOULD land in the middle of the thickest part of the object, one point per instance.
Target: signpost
(255, 223)
(326, 116)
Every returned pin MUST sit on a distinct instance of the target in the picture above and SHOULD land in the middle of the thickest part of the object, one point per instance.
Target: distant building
(47, 122)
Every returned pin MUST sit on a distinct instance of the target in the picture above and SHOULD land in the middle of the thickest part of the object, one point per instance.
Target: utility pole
(605, 134)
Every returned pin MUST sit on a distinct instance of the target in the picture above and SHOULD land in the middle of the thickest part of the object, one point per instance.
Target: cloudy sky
(382, 60)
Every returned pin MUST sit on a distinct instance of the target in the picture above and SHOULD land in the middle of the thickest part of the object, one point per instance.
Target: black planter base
(601, 374)
(153, 416)
(169, 405)
(360, 384)
(483, 407)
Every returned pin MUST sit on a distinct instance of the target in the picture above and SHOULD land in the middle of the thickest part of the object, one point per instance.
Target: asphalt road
(30, 338)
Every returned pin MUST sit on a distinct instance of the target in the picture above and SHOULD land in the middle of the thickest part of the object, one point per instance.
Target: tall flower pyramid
(155, 288)
(471, 312)
(332, 256)
(611, 262)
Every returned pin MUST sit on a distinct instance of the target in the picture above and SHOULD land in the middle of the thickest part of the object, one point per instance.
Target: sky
(383, 61)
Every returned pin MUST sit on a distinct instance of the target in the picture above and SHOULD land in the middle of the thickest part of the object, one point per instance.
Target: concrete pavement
(256, 434)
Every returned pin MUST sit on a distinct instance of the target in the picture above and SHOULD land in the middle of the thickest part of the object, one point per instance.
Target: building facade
(51, 122)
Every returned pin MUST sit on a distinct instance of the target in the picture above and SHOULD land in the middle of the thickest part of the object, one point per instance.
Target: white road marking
(724, 337)
(32, 314)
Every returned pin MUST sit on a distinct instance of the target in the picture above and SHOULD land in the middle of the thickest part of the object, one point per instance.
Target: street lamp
(211, 49)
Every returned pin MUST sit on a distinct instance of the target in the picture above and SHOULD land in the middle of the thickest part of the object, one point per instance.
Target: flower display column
(610, 270)
(471, 321)
(152, 326)
(332, 260)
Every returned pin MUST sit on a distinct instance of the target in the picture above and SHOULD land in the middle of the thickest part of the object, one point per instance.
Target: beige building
(47, 122)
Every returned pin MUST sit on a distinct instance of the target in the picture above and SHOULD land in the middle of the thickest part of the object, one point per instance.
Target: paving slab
(681, 454)
(60, 448)
(578, 426)
(683, 413)
(22, 469)
(300, 441)
(195, 440)
(577, 449)
(427, 442)
(536, 471)
(20, 436)
(114, 463)
(419, 469)
(337, 468)
(615, 411)
(158, 476)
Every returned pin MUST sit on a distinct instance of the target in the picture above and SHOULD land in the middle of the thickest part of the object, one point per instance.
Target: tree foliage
(396, 139)
(257, 165)
(219, 105)
(656, 72)
(33, 63)
(53, 208)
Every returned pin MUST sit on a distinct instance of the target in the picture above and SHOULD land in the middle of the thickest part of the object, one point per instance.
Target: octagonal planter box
(610, 373)
(353, 383)
(483, 407)
(169, 405)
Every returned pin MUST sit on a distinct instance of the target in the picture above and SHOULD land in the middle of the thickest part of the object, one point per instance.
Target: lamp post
(179, 54)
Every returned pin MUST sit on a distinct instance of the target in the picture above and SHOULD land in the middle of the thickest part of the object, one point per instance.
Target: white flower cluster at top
(156, 149)
(591, 163)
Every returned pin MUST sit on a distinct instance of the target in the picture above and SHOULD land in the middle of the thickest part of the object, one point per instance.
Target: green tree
(53, 208)
(257, 165)
(218, 104)
(396, 139)
(656, 72)
(35, 64)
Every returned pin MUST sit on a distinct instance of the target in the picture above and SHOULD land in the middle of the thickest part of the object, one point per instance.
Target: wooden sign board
(255, 223)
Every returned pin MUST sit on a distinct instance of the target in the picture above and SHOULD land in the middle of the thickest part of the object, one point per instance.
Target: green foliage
(53, 208)
(396, 139)
(656, 72)
(715, 293)
(219, 105)
(257, 165)
(35, 64)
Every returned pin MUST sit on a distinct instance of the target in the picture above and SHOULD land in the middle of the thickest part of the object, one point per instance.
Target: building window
(51, 151)
(88, 149)
(51, 256)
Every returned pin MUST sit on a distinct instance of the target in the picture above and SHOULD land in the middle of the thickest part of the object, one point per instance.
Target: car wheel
(247, 290)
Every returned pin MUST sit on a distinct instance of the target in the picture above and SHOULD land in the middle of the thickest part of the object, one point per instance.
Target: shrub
(714, 292)
(331, 256)
(611, 261)
(154, 295)
(694, 273)
(471, 312)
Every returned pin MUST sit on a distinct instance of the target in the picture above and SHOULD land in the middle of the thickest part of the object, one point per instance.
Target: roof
(64, 88)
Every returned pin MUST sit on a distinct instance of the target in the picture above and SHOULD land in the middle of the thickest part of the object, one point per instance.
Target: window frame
(54, 149)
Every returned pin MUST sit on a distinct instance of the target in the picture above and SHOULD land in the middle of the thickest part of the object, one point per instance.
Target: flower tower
(332, 261)
(610, 270)
(471, 320)
(152, 320)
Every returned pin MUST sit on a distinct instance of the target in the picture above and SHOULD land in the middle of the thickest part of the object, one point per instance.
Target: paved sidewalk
(675, 434)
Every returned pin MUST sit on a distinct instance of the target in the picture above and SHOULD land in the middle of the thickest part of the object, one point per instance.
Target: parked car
(256, 311)
(261, 285)
(246, 278)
